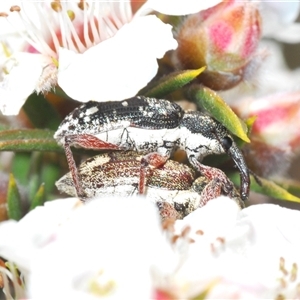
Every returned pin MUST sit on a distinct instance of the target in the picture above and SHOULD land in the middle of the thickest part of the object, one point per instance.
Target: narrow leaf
(210, 101)
(249, 123)
(28, 140)
(40, 112)
(39, 197)
(21, 167)
(293, 186)
(272, 189)
(14, 209)
(268, 188)
(170, 83)
(33, 185)
(49, 174)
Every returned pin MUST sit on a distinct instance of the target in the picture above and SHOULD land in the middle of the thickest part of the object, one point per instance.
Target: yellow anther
(71, 14)
(3, 14)
(6, 51)
(101, 285)
(55, 62)
(294, 272)
(279, 297)
(56, 6)
(282, 267)
(83, 5)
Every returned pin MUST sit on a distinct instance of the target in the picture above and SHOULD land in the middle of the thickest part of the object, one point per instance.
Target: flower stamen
(56, 6)
(88, 20)
(15, 8)
(94, 31)
(102, 285)
(282, 267)
(49, 26)
(83, 5)
(294, 272)
(32, 34)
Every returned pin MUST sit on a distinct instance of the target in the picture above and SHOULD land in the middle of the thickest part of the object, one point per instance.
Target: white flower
(46, 26)
(119, 67)
(252, 253)
(114, 248)
(106, 250)
(279, 20)
(178, 7)
(21, 241)
(16, 86)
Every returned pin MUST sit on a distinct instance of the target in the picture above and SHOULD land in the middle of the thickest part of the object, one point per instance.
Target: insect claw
(236, 155)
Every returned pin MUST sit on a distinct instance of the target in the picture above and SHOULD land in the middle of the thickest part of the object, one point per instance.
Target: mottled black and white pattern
(148, 125)
(140, 112)
(174, 187)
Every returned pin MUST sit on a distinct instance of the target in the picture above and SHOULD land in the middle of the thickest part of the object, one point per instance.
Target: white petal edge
(20, 82)
(211, 218)
(119, 67)
(286, 11)
(21, 240)
(177, 7)
(116, 237)
(288, 34)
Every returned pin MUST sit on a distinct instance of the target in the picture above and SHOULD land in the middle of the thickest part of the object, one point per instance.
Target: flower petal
(179, 7)
(21, 240)
(287, 12)
(204, 218)
(105, 250)
(118, 67)
(278, 18)
(288, 34)
(24, 72)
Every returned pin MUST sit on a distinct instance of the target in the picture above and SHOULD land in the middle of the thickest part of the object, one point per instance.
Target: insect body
(148, 125)
(173, 186)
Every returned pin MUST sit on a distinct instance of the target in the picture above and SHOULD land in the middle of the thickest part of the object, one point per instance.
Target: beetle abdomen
(95, 117)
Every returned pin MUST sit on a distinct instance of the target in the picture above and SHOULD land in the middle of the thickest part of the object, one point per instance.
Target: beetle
(153, 127)
(174, 187)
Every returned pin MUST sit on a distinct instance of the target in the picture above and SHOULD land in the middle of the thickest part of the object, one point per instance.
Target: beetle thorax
(195, 144)
(197, 135)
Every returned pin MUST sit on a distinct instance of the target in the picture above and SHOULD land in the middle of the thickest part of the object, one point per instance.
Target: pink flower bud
(224, 38)
(275, 135)
(278, 119)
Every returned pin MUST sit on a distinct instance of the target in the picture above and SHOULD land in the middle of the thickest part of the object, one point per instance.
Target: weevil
(174, 187)
(154, 127)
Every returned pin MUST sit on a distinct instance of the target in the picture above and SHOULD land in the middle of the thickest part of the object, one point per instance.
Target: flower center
(75, 26)
(288, 278)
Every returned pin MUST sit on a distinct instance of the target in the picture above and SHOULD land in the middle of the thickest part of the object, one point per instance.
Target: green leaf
(33, 185)
(293, 186)
(14, 209)
(28, 140)
(170, 83)
(268, 188)
(39, 198)
(50, 174)
(41, 113)
(272, 189)
(21, 166)
(210, 101)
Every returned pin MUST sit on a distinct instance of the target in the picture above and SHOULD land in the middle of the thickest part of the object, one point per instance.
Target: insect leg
(211, 191)
(211, 173)
(85, 141)
(149, 162)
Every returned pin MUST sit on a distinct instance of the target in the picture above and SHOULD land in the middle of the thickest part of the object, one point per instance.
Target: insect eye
(226, 143)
